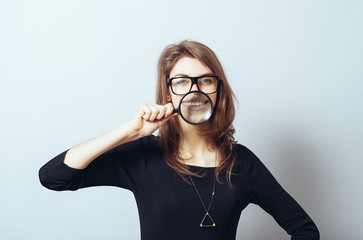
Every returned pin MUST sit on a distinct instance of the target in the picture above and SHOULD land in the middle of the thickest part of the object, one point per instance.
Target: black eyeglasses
(183, 85)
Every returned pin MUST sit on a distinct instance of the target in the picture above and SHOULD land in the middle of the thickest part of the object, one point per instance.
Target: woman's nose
(194, 87)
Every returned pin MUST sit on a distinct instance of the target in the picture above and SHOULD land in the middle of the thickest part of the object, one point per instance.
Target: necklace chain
(201, 200)
(212, 197)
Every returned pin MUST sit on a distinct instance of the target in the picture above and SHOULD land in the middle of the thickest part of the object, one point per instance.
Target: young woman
(190, 181)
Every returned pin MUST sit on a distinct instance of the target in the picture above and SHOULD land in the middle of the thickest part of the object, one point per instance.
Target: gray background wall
(73, 70)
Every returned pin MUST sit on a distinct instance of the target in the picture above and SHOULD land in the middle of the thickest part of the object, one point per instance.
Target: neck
(194, 148)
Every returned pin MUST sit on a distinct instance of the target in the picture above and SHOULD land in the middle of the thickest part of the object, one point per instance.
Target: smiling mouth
(194, 103)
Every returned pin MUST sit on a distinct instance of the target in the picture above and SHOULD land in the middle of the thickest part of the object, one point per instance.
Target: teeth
(193, 103)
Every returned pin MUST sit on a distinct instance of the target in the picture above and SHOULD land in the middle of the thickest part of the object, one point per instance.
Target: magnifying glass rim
(211, 105)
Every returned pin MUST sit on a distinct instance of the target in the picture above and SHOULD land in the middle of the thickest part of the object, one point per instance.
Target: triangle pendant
(207, 221)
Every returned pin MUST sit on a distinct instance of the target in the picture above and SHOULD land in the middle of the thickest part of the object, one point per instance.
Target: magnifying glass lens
(196, 107)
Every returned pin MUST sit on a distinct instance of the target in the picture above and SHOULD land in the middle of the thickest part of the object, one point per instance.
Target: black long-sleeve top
(169, 208)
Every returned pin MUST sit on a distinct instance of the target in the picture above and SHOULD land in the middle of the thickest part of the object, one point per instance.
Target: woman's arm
(80, 156)
(266, 192)
(115, 158)
(148, 118)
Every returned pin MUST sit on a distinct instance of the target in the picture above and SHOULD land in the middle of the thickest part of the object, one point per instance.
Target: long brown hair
(218, 130)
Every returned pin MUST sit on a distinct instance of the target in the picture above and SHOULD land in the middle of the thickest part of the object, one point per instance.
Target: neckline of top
(195, 166)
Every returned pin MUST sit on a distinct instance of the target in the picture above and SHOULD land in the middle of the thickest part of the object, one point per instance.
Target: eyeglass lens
(182, 85)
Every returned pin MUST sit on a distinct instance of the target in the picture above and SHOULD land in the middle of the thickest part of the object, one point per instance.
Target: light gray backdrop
(73, 70)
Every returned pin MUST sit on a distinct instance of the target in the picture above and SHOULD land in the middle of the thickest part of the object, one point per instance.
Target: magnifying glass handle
(176, 110)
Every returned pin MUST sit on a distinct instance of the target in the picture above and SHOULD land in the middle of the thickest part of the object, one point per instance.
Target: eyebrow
(185, 75)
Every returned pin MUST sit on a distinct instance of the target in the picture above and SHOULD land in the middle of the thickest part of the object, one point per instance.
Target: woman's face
(189, 67)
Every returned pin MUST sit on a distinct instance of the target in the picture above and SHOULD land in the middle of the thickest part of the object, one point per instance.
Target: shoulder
(150, 141)
(245, 157)
(252, 165)
(144, 143)
(137, 149)
(150, 144)
(242, 152)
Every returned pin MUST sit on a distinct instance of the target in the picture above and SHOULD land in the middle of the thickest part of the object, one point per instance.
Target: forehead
(191, 67)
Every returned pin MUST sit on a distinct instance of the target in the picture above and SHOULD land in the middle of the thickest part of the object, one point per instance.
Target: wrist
(131, 131)
(125, 133)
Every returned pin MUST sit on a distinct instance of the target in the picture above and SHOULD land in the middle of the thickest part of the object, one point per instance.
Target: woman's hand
(150, 117)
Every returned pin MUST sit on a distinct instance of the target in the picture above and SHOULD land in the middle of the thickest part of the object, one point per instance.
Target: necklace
(207, 215)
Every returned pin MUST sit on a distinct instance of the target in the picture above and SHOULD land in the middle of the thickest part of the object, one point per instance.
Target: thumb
(163, 121)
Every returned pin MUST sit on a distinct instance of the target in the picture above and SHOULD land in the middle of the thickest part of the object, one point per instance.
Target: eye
(206, 81)
(180, 81)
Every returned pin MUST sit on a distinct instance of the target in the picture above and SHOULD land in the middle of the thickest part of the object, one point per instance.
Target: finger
(169, 110)
(147, 112)
(162, 111)
(155, 112)
(140, 111)
(163, 121)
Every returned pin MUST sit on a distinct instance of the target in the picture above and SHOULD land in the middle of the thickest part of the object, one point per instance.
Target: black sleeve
(122, 166)
(266, 192)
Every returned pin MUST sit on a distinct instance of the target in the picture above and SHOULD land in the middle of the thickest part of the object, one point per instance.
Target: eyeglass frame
(194, 81)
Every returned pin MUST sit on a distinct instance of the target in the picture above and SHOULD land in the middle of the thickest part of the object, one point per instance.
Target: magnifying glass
(195, 107)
